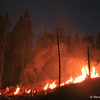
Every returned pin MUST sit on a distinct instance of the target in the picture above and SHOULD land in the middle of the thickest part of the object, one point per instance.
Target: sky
(74, 16)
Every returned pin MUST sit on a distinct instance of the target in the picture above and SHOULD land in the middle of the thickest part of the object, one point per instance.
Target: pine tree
(87, 41)
(68, 42)
(98, 42)
(61, 32)
(5, 23)
(23, 43)
(75, 45)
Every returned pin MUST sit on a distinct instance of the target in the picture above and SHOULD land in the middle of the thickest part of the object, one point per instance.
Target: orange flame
(94, 73)
(52, 86)
(7, 89)
(17, 90)
(29, 91)
(82, 77)
(62, 84)
(69, 81)
(45, 88)
(85, 73)
(34, 91)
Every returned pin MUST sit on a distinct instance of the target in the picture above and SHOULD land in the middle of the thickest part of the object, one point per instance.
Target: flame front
(85, 74)
(80, 78)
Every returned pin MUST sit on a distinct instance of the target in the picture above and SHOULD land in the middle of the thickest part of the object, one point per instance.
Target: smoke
(45, 64)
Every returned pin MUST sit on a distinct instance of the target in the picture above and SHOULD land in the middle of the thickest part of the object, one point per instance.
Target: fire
(94, 73)
(34, 91)
(17, 90)
(69, 81)
(45, 88)
(51, 86)
(29, 91)
(85, 73)
(62, 84)
(7, 89)
(82, 77)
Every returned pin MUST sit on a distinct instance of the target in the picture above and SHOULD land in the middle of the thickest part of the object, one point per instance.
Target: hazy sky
(75, 16)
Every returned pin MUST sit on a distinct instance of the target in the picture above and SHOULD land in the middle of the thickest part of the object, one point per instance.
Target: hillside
(86, 90)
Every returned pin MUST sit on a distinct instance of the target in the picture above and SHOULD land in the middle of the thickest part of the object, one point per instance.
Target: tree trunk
(23, 56)
(59, 60)
(2, 59)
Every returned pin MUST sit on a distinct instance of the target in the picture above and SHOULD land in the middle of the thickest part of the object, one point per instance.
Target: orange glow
(94, 73)
(52, 86)
(82, 77)
(17, 90)
(34, 91)
(45, 88)
(62, 84)
(29, 91)
(69, 81)
(85, 73)
(7, 89)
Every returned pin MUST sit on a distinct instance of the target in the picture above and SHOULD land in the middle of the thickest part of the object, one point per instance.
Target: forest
(23, 63)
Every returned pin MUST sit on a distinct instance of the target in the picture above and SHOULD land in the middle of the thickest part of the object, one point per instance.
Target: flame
(62, 84)
(17, 90)
(52, 86)
(34, 91)
(45, 88)
(94, 73)
(82, 77)
(85, 73)
(7, 89)
(29, 91)
(69, 81)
